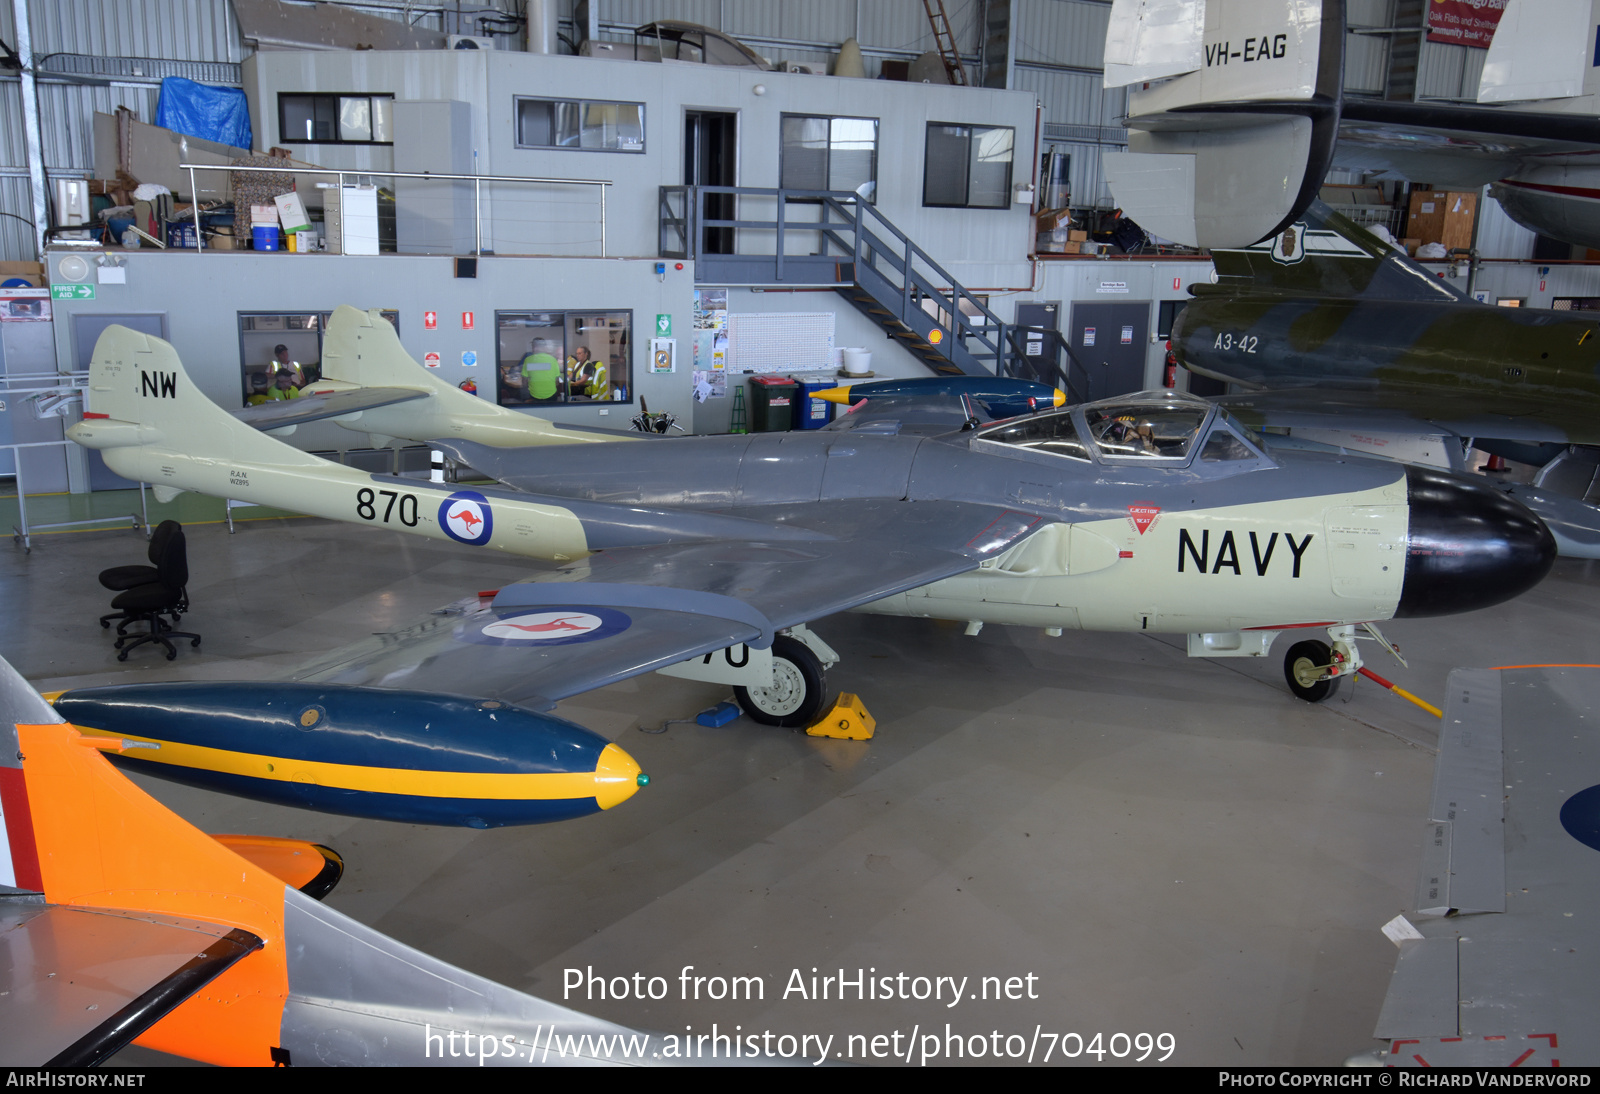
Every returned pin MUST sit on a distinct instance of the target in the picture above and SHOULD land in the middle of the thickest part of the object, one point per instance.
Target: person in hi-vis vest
(541, 372)
(587, 376)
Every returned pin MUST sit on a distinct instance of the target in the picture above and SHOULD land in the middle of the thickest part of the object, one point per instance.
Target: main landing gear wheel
(1306, 667)
(796, 695)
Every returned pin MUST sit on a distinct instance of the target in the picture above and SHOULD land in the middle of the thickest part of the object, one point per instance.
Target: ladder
(946, 41)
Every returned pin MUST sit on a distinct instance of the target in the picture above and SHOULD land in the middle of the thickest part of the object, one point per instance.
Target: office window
(581, 125)
(830, 154)
(335, 119)
(551, 357)
(968, 166)
(300, 362)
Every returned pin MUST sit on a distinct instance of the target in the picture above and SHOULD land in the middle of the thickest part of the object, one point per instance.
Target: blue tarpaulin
(211, 113)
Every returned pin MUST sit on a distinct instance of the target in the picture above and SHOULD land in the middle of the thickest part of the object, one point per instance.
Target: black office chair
(166, 595)
(122, 578)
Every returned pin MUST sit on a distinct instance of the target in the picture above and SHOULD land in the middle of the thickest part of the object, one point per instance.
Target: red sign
(1464, 22)
(430, 320)
(1174, 284)
(466, 320)
(1143, 515)
(431, 360)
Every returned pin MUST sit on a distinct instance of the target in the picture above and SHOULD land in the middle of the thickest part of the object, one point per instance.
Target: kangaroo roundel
(549, 627)
(466, 517)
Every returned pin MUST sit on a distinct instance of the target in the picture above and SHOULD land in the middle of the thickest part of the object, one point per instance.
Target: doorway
(1112, 342)
(710, 158)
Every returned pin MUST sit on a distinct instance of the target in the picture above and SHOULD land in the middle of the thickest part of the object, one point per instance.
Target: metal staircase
(852, 248)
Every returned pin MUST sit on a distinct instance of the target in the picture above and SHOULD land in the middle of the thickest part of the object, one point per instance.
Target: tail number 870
(368, 502)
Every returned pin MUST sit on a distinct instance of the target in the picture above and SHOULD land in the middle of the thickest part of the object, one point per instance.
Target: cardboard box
(1075, 236)
(1051, 219)
(263, 214)
(1442, 216)
(291, 213)
(32, 272)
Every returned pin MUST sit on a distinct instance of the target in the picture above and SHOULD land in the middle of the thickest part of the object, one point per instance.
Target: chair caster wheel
(172, 655)
(195, 644)
(123, 656)
(105, 625)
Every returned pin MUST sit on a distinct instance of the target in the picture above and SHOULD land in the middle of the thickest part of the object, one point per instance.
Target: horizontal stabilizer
(1325, 254)
(315, 406)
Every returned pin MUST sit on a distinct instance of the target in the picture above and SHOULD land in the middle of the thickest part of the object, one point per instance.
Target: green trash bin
(772, 401)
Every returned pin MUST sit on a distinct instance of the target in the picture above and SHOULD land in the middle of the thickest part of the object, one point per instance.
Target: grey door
(86, 331)
(1111, 342)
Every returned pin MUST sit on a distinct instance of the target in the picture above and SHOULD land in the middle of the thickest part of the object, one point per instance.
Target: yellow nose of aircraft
(617, 777)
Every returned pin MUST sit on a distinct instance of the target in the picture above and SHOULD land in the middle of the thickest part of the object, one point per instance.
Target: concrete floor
(1168, 846)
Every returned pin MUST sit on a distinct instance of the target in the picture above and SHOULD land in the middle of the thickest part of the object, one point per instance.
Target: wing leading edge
(623, 612)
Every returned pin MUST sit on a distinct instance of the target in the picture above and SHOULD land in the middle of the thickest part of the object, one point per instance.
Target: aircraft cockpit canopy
(1146, 426)
(1163, 428)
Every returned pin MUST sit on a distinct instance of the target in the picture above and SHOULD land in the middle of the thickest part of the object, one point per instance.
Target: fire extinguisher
(1171, 378)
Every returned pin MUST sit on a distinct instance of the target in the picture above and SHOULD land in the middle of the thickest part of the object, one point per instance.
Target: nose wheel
(1308, 667)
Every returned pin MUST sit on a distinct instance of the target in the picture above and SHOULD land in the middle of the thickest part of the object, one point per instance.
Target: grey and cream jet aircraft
(1334, 336)
(707, 556)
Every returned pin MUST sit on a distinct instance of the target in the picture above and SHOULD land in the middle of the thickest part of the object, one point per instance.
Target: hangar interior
(1164, 844)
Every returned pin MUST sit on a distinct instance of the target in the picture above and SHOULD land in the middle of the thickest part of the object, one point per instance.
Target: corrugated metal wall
(1057, 58)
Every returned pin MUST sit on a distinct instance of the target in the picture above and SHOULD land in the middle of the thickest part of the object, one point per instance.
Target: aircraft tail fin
(140, 398)
(362, 348)
(1234, 151)
(1324, 253)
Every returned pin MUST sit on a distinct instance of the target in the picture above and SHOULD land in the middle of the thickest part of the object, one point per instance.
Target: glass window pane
(944, 180)
(630, 127)
(991, 168)
(536, 123)
(297, 117)
(568, 125)
(805, 153)
(853, 155)
(355, 118)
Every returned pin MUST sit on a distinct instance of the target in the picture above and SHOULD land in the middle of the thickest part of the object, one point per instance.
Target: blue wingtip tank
(363, 752)
(1002, 396)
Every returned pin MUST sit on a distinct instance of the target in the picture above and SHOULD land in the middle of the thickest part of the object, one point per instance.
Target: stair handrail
(852, 210)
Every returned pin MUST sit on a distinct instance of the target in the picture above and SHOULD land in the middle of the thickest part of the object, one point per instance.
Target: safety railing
(840, 226)
(436, 200)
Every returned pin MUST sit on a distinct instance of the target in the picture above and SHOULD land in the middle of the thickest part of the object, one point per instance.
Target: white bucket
(857, 360)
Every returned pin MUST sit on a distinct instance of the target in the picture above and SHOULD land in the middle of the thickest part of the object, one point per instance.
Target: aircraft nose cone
(1469, 546)
(617, 777)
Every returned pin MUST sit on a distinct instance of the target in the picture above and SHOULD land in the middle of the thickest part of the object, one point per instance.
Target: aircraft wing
(622, 612)
(1396, 409)
(1455, 146)
(81, 983)
(1503, 970)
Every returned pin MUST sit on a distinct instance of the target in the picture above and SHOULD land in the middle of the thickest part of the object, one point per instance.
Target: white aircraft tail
(140, 397)
(1233, 151)
(361, 348)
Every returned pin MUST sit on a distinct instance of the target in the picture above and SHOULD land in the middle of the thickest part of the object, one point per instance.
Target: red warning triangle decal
(1143, 515)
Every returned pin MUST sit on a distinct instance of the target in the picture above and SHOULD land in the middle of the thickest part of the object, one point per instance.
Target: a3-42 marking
(367, 504)
(1245, 343)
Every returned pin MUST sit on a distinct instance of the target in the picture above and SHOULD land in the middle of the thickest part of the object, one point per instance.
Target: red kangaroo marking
(553, 625)
(467, 517)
